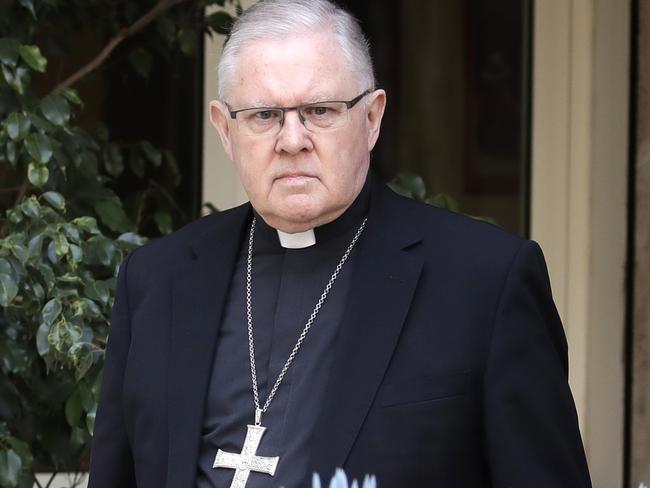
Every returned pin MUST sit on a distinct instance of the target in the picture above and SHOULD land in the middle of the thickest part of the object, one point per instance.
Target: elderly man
(329, 322)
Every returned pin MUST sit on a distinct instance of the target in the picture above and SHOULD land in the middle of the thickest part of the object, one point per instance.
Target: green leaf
(83, 360)
(112, 214)
(153, 154)
(71, 232)
(14, 215)
(220, 22)
(8, 289)
(48, 275)
(164, 222)
(88, 224)
(9, 51)
(20, 252)
(132, 238)
(17, 78)
(73, 409)
(29, 5)
(88, 308)
(31, 207)
(142, 61)
(40, 123)
(56, 109)
(113, 160)
(69, 278)
(37, 291)
(35, 246)
(55, 199)
(6, 268)
(51, 311)
(98, 290)
(11, 152)
(78, 438)
(210, 206)
(25, 478)
(59, 336)
(90, 421)
(38, 174)
(39, 146)
(410, 185)
(99, 250)
(72, 95)
(443, 200)
(33, 57)
(17, 126)
(10, 466)
(76, 253)
(42, 342)
(84, 366)
(61, 245)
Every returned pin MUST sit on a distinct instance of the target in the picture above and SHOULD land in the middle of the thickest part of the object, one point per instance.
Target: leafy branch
(64, 229)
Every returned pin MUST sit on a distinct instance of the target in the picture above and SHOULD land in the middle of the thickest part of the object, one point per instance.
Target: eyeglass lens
(316, 117)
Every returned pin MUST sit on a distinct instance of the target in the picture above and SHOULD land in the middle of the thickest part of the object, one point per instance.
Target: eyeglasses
(316, 117)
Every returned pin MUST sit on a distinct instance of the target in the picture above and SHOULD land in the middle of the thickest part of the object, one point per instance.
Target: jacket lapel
(385, 279)
(198, 298)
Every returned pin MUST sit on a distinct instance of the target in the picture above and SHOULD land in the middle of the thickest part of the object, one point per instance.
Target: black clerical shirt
(286, 285)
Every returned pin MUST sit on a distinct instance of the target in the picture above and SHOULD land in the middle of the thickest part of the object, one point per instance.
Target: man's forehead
(300, 69)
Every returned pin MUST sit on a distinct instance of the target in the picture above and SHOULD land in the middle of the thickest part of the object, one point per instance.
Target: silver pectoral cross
(247, 461)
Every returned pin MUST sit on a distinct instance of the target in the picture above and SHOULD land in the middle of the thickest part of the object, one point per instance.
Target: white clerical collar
(298, 240)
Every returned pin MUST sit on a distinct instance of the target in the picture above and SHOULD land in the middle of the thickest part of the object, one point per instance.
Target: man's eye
(318, 111)
(265, 114)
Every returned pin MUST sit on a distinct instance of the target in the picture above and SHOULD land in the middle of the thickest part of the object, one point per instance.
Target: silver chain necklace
(249, 316)
(248, 460)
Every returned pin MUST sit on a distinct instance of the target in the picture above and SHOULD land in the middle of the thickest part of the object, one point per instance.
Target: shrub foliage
(63, 228)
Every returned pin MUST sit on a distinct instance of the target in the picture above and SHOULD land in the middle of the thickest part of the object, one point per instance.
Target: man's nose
(294, 136)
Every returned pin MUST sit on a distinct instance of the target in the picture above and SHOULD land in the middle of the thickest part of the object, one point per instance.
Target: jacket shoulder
(457, 231)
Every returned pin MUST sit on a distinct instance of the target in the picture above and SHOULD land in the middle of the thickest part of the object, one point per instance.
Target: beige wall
(579, 178)
(221, 186)
(641, 339)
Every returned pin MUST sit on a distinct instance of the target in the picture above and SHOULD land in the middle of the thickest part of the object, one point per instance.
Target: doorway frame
(579, 178)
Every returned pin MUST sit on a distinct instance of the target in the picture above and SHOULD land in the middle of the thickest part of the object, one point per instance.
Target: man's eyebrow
(259, 103)
(318, 97)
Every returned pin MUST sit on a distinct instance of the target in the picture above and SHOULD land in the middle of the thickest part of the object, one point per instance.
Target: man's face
(297, 179)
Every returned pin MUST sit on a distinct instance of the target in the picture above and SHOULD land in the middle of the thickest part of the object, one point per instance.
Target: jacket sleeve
(531, 427)
(111, 461)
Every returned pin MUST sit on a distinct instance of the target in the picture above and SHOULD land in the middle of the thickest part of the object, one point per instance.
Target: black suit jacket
(450, 369)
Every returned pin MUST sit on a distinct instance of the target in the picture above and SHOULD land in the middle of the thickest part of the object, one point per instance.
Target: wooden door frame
(579, 203)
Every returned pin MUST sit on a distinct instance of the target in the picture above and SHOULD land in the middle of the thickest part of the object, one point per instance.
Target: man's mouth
(294, 178)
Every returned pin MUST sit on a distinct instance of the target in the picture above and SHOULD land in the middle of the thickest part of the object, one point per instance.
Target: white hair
(278, 19)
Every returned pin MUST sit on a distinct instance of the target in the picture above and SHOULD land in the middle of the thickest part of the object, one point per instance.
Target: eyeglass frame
(348, 103)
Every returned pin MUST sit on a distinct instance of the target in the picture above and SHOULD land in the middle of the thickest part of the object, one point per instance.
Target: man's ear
(219, 118)
(375, 112)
